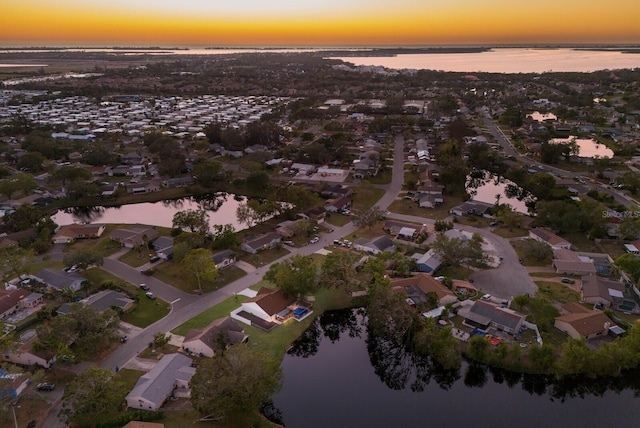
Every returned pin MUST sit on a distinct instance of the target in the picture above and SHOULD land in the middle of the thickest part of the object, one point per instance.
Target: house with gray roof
(106, 299)
(171, 375)
(254, 245)
(221, 332)
(374, 246)
(484, 315)
(224, 258)
(597, 290)
(134, 235)
(428, 262)
(59, 279)
(163, 246)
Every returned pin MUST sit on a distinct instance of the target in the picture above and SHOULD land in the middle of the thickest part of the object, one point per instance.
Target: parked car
(45, 386)
(150, 295)
(144, 287)
(289, 243)
(486, 297)
(124, 339)
(154, 259)
(568, 281)
(337, 242)
(314, 240)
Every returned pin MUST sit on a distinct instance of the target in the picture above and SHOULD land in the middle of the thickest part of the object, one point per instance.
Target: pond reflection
(221, 208)
(348, 377)
(484, 186)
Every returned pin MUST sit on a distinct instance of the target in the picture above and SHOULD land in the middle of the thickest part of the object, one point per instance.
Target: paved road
(502, 139)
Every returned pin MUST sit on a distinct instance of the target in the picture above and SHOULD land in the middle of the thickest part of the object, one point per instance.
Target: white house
(170, 375)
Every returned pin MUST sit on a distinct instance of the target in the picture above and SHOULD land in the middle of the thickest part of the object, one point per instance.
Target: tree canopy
(295, 276)
(236, 381)
(198, 266)
(195, 221)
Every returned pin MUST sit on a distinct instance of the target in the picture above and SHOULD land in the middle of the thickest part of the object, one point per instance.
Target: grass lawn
(182, 418)
(514, 233)
(129, 377)
(580, 242)
(382, 178)
(171, 273)
(614, 249)
(474, 220)
(146, 311)
(554, 291)
(103, 245)
(337, 220)
(459, 272)
(404, 206)
(368, 233)
(365, 196)
(264, 257)
(205, 318)
(544, 274)
(135, 258)
(528, 261)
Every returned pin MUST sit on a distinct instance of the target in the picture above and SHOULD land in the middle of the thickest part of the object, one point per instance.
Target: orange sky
(321, 22)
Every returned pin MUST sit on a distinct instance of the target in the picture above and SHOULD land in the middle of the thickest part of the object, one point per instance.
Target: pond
(484, 186)
(337, 375)
(221, 208)
(587, 147)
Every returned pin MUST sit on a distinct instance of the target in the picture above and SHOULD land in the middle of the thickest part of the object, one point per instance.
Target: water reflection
(347, 377)
(484, 186)
(221, 208)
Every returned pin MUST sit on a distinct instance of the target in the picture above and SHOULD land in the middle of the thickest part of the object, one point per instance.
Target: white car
(314, 240)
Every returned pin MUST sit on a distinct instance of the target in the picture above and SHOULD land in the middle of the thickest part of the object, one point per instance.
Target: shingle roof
(586, 323)
(594, 286)
(496, 314)
(158, 383)
(271, 301)
(232, 333)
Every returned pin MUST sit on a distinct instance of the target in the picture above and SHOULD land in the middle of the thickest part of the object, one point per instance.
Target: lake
(220, 207)
(483, 186)
(506, 60)
(339, 376)
(587, 147)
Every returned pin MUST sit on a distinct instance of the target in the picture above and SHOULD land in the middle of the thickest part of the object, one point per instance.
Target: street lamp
(13, 409)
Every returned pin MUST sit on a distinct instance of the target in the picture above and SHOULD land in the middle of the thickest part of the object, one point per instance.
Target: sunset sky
(316, 23)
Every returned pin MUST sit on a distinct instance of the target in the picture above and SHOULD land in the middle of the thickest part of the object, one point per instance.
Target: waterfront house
(254, 245)
(420, 285)
(598, 290)
(550, 238)
(224, 259)
(70, 233)
(580, 322)
(134, 235)
(484, 315)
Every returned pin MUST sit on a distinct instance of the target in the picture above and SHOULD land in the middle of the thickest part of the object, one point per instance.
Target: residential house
(254, 245)
(567, 262)
(316, 214)
(134, 235)
(70, 233)
(269, 308)
(471, 207)
(428, 262)
(22, 353)
(59, 279)
(430, 188)
(335, 191)
(428, 200)
(375, 246)
(205, 342)
(550, 238)
(580, 322)
(178, 182)
(11, 301)
(107, 299)
(146, 186)
(163, 246)
(598, 290)
(420, 285)
(170, 376)
(484, 315)
(224, 259)
(338, 204)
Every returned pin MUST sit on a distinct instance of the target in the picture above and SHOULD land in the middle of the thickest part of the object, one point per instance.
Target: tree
(15, 261)
(160, 339)
(389, 316)
(196, 221)
(234, 382)
(629, 228)
(631, 181)
(224, 236)
(83, 259)
(509, 217)
(540, 184)
(208, 173)
(296, 276)
(67, 174)
(19, 182)
(369, 217)
(91, 395)
(258, 181)
(337, 271)
(31, 162)
(198, 266)
(539, 251)
(630, 264)
(459, 251)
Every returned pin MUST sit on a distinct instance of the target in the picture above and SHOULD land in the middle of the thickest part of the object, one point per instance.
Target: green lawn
(553, 291)
(337, 220)
(103, 245)
(405, 206)
(365, 196)
(382, 177)
(580, 242)
(264, 257)
(171, 273)
(614, 249)
(135, 258)
(146, 312)
(459, 272)
(205, 318)
(528, 261)
(513, 233)
(129, 377)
